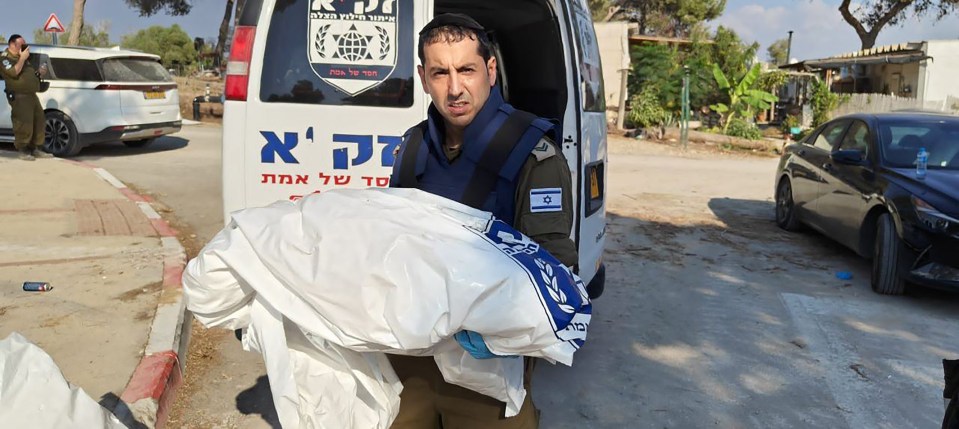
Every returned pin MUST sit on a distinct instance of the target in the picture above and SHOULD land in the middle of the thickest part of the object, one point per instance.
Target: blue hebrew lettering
(309, 134)
(275, 147)
(388, 156)
(341, 157)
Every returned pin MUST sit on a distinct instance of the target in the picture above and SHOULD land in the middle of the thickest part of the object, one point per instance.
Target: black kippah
(457, 19)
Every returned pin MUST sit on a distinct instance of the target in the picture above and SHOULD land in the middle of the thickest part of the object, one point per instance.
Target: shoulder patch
(6, 63)
(545, 149)
(542, 200)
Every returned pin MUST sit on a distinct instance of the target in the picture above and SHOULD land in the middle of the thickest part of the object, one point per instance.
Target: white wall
(941, 77)
(614, 54)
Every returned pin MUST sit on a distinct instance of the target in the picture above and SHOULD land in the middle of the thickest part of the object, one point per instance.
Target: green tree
(172, 44)
(743, 97)
(823, 102)
(675, 18)
(876, 14)
(777, 52)
(151, 7)
(656, 68)
(97, 36)
(730, 53)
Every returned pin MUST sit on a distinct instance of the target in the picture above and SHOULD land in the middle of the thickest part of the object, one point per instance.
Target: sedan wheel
(785, 207)
(890, 259)
(60, 137)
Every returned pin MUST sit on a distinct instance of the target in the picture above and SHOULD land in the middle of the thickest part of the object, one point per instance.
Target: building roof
(901, 53)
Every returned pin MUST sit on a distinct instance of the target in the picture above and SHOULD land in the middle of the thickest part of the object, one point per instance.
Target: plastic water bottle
(922, 160)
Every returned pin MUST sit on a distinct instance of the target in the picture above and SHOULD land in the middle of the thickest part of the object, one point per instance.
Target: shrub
(790, 122)
(743, 129)
(646, 111)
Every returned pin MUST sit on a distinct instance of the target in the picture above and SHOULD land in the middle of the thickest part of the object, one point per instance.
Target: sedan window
(857, 138)
(828, 139)
(902, 139)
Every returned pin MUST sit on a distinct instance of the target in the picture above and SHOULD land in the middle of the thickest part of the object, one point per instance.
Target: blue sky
(819, 30)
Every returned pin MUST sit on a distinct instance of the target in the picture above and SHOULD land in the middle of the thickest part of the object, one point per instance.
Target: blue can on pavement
(36, 286)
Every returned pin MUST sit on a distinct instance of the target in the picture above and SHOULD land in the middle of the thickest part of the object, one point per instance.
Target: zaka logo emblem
(353, 42)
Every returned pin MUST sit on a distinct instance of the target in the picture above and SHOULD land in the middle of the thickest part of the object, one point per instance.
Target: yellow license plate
(154, 95)
(594, 183)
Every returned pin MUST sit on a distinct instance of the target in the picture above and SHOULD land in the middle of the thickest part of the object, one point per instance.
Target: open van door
(588, 148)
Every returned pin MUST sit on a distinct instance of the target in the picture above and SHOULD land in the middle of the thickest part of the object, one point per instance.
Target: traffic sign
(53, 24)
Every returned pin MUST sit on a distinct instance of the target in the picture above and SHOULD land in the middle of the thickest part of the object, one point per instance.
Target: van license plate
(594, 183)
(154, 95)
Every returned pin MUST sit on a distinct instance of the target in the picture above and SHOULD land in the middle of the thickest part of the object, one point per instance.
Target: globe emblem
(353, 46)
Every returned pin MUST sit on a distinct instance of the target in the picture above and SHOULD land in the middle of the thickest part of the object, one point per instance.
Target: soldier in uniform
(477, 149)
(22, 85)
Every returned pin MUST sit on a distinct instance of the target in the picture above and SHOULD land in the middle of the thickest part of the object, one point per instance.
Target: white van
(303, 115)
(101, 95)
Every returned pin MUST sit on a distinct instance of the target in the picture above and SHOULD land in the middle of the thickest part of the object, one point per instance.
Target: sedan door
(807, 169)
(847, 187)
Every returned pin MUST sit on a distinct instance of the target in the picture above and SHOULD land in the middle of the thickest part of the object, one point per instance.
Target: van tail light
(238, 68)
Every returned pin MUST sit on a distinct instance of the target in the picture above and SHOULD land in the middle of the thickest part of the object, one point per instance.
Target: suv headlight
(933, 219)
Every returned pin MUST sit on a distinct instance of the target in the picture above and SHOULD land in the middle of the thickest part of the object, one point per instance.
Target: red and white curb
(151, 391)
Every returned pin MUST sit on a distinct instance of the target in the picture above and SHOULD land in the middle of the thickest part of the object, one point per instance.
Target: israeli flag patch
(544, 200)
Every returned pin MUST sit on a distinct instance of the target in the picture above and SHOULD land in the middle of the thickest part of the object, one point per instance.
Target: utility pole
(789, 46)
(684, 118)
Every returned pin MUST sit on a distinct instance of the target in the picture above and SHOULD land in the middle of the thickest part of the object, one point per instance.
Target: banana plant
(743, 98)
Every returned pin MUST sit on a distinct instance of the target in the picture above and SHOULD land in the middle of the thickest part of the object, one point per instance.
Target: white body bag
(325, 286)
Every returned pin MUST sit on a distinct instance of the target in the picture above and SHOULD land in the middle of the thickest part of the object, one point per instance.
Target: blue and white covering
(325, 286)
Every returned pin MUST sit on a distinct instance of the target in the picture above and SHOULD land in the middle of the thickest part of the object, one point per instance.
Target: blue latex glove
(473, 343)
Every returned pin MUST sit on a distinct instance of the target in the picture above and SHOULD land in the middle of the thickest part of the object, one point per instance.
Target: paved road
(712, 316)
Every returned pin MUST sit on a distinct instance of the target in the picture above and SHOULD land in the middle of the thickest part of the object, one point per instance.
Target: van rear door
(332, 88)
(590, 153)
(148, 93)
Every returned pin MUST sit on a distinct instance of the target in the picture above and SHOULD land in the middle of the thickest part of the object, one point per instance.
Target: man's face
(457, 79)
(15, 45)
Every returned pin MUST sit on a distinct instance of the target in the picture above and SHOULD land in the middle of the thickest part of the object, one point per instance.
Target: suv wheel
(61, 137)
(139, 143)
(890, 259)
(785, 207)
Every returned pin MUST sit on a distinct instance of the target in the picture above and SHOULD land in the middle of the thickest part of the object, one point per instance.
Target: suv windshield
(901, 140)
(134, 70)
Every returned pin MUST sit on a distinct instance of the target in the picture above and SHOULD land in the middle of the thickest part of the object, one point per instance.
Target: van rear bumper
(597, 285)
(131, 132)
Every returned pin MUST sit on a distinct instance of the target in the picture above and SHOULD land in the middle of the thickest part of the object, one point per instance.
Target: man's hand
(43, 70)
(24, 54)
(473, 343)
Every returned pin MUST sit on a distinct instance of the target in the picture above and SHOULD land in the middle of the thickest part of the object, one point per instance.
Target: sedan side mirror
(849, 157)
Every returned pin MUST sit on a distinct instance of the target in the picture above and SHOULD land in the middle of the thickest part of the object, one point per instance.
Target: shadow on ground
(731, 322)
(113, 149)
(258, 400)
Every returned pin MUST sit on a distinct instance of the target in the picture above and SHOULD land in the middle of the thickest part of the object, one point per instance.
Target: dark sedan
(855, 180)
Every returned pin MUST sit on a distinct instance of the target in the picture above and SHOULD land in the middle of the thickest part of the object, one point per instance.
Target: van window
(590, 68)
(134, 70)
(72, 69)
(339, 54)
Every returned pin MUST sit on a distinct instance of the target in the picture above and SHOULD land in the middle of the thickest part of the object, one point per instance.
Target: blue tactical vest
(495, 146)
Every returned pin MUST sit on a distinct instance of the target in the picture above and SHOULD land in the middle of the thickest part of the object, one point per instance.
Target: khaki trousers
(28, 122)
(429, 402)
